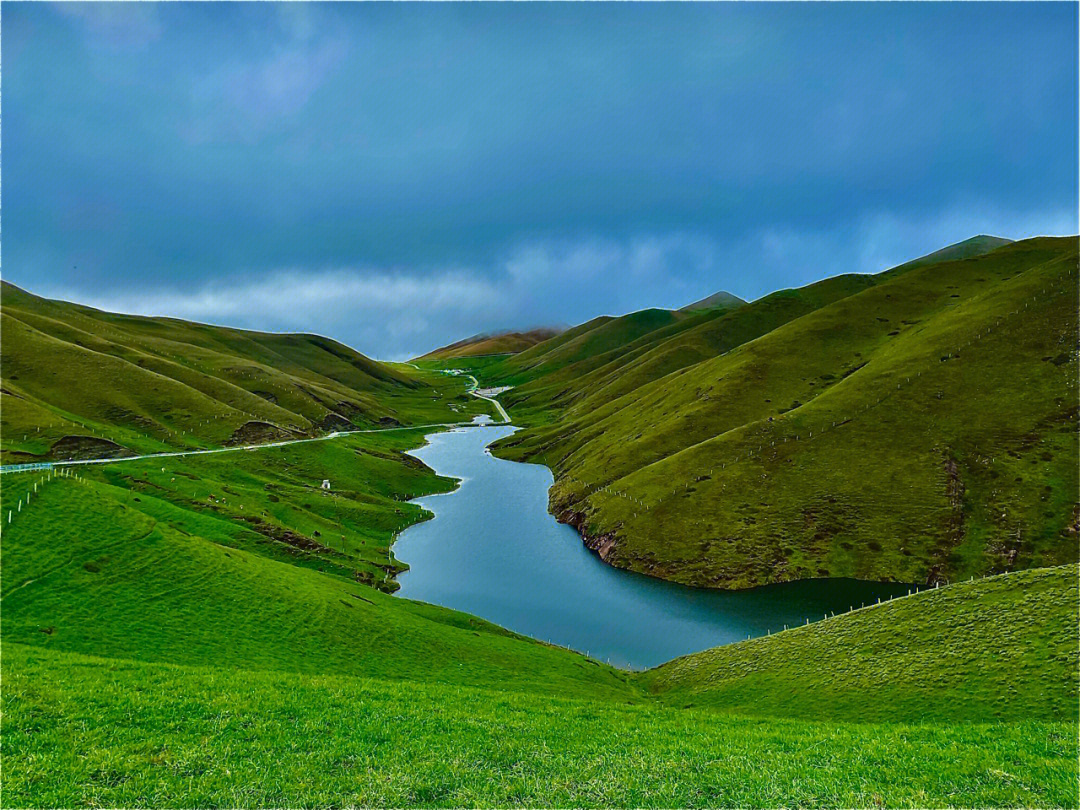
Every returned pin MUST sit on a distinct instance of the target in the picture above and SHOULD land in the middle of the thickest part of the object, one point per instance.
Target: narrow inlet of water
(493, 550)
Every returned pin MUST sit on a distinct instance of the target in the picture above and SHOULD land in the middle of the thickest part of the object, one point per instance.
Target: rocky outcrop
(602, 545)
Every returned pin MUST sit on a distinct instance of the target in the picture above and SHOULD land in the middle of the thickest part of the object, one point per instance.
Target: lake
(493, 550)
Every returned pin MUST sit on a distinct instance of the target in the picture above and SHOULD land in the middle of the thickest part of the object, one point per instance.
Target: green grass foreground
(82, 731)
(1005, 648)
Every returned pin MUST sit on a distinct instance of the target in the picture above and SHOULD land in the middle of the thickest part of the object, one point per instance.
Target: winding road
(45, 465)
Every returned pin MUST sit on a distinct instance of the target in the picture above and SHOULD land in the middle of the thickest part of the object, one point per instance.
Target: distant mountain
(489, 343)
(718, 300)
(975, 246)
(80, 382)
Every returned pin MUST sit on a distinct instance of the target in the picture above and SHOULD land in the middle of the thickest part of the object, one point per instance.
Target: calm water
(494, 551)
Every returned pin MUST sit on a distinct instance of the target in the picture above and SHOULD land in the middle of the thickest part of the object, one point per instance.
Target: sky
(399, 176)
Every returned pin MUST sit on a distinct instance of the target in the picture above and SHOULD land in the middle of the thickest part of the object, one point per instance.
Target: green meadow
(106, 732)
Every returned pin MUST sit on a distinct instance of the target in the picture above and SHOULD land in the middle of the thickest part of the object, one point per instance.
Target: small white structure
(326, 483)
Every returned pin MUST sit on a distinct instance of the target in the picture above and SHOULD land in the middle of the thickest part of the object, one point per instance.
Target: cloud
(243, 99)
(116, 25)
(398, 313)
(625, 269)
(394, 313)
(300, 300)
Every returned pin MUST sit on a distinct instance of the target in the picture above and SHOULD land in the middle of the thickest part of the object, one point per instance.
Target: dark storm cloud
(401, 175)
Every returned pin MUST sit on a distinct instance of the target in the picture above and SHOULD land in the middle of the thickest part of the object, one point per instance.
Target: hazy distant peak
(975, 246)
(717, 300)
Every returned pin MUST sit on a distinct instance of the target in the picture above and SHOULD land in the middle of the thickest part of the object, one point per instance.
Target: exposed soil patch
(954, 527)
(80, 447)
(257, 433)
(289, 538)
(335, 421)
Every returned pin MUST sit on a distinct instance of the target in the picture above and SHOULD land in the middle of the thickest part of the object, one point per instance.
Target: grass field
(99, 732)
(1005, 647)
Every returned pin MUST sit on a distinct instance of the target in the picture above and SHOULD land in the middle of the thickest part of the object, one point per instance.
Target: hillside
(594, 381)
(919, 425)
(975, 246)
(1012, 653)
(547, 373)
(240, 560)
(489, 344)
(79, 382)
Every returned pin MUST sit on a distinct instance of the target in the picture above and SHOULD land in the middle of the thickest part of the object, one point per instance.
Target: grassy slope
(126, 563)
(718, 299)
(588, 384)
(594, 338)
(118, 733)
(953, 452)
(155, 383)
(1004, 647)
(975, 246)
(554, 375)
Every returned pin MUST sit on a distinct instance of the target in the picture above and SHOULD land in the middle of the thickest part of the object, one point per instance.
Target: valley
(226, 626)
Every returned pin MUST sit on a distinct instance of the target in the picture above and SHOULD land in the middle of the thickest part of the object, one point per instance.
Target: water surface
(494, 551)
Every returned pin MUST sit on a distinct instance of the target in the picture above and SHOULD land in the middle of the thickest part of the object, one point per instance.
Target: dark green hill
(589, 340)
(594, 381)
(80, 382)
(917, 425)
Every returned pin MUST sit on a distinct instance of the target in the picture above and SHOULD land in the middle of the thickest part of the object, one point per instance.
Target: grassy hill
(490, 344)
(975, 246)
(592, 382)
(918, 425)
(241, 560)
(79, 382)
(1004, 647)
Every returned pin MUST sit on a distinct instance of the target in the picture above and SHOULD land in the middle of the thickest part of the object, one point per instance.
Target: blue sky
(402, 175)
